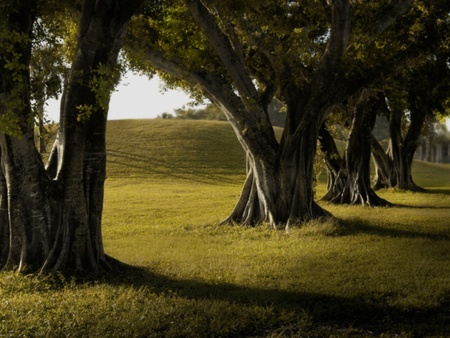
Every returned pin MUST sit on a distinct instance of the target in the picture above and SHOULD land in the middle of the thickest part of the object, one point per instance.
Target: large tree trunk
(53, 218)
(26, 194)
(29, 203)
(279, 184)
(401, 149)
(78, 160)
(352, 184)
(279, 191)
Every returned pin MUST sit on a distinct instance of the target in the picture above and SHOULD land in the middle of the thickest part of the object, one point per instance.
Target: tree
(410, 102)
(51, 215)
(404, 49)
(349, 178)
(246, 54)
(209, 112)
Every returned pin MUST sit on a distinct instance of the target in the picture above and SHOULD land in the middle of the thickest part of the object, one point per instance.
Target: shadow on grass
(358, 226)
(444, 191)
(355, 227)
(367, 315)
(419, 206)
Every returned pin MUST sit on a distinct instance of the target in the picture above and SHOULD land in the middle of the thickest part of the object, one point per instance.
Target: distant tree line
(212, 112)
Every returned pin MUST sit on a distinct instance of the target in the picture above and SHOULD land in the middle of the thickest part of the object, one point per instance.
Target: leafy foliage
(13, 81)
(210, 112)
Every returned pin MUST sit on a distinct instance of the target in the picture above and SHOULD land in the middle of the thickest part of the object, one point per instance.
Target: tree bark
(384, 177)
(333, 161)
(4, 224)
(279, 184)
(280, 191)
(25, 207)
(393, 167)
(78, 159)
(352, 184)
(52, 216)
(401, 149)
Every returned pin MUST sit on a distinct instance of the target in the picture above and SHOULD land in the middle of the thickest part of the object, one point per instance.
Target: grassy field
(382, 272)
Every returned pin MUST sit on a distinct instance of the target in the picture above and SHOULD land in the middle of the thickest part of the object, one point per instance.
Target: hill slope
(186, 149)
(173, 148)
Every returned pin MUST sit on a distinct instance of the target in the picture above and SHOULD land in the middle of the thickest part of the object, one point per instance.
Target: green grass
(204, 151)
(372, 272)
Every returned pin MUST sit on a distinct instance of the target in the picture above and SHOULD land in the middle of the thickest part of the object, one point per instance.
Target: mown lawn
(370, 272)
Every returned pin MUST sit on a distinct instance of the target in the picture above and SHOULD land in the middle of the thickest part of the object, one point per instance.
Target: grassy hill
(199, 151)
(187, 149)
(373, 272)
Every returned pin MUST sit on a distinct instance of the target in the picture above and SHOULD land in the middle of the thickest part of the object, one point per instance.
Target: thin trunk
(4, 223)
(333, 161)
(41, 126)
(418, 115)
(384, 177)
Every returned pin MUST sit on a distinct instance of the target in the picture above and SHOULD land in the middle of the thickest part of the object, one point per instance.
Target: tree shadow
(443, 191)
(352, 227)
(420, 206)
(366, 314)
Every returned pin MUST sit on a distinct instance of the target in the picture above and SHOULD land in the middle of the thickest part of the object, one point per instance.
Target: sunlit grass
(369, 272)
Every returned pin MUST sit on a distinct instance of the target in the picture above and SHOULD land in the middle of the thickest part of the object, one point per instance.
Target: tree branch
(391, 16)
(255, 118)
(231, 60)
(339, 36)
(323, 86)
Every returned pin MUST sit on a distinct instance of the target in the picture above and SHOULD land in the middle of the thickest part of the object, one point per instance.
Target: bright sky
(136, 97)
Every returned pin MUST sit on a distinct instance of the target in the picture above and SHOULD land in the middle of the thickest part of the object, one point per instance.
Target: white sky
(136, 97)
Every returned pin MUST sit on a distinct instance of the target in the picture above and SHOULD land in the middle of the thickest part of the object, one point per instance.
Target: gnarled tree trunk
(279, 184)
(384, 177)
(401, 150)
(333, 161)
(352, 184)
(393, 167)
(54, 214)
(78, 160)
(26, 190)
(279, 190)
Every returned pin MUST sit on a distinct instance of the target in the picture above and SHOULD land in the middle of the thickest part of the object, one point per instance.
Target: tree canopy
(309, 55)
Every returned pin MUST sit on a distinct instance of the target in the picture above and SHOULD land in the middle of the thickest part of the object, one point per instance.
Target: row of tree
(324, 61)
